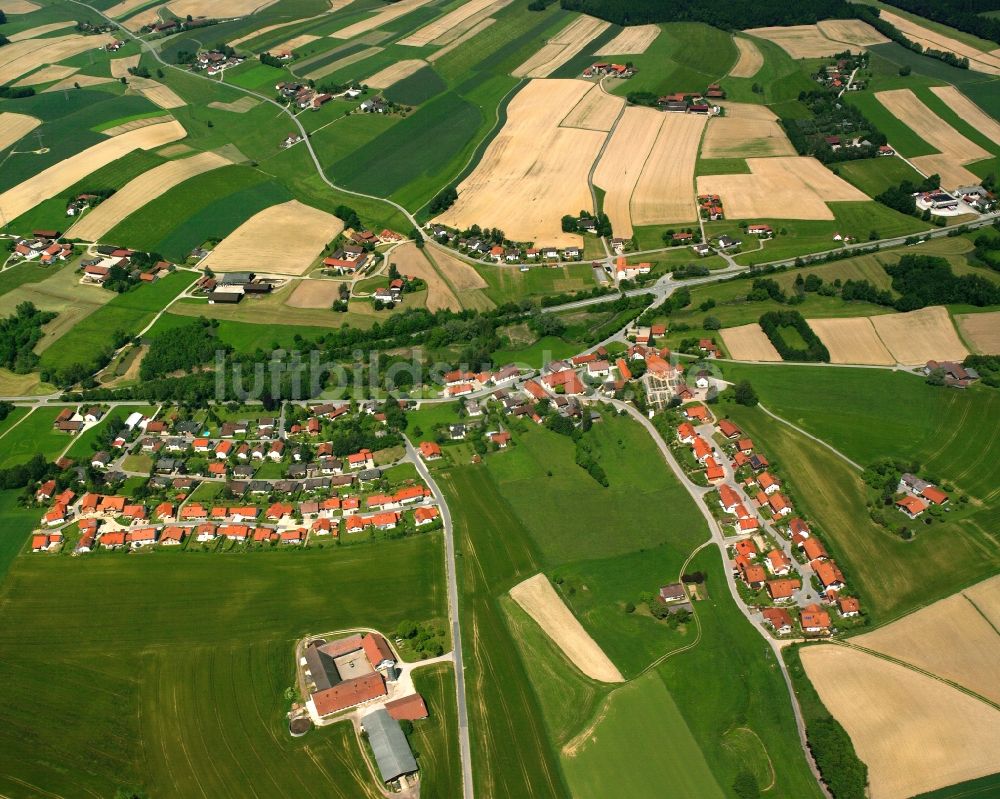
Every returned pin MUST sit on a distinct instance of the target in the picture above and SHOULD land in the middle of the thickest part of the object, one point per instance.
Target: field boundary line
(898, 662)
(809, 435)
(986, 618)
(19, 421)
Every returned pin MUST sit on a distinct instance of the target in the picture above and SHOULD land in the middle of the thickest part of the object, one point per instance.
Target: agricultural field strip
(141, 190)
(745, 130)
(905, 106)
(434, 32)
(916, 337)
(633, 40)
(969, 111)
(749, 343)
(61, 176)
(622, 162)
(981, 331)
(750, 59)
(41, 30)
(47, 74)
(20, 58)
(14, 127)
(388, 14)
(562, 47)
(394, 73)
(811, 41)
(663, 193)
(598, 110)
(979, 61)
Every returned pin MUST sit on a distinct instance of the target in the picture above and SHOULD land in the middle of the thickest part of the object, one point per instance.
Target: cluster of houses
(98, 269)
(838, 75)
(347, 260)
(42, 245)
(604, 69)
(918, 495)
(510, 253)
(774, 550)
(214, 62)
(710, 207)
(693, 102)
(361, 673)
(302, 96)
(73, 420)
(230, 288)
(977, 197)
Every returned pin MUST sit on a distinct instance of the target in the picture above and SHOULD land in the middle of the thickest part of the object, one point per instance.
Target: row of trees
(19, 333)
(832, 117)
(731, 15)
(887, 29)
(772, 323)
(900, 198)
(182, 349)
(965, 15)
(924, 280)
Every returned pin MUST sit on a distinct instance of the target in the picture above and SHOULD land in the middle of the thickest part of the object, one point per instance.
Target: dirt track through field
(534, 171)
(916, 734)
(14, 127)
(140, 191)
(750, 61)
(745, 131)
(598, 110)
(562, 47)
(61, 176)
(622, 162)
(20, 58)
(748, 343)
(394, 73)
(633, 40)
(665, 190)
(284, 239)
(383, 17)
(538, 599)
(969, 111)
(981, 330)
(950, 639)
(783, 187)
(979, 61)
(920, 336)
(851, 340)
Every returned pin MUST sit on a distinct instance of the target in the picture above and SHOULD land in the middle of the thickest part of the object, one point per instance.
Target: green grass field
(147, 660)
(903, 140)
(983, 788)
(435, 739)
(18, 522)
(780, 80)
(31, 436)
(875, 175)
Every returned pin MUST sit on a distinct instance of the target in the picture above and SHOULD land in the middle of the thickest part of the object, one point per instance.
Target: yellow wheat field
(748, 343)
(14, 127)
(314, 294)
(664, 192)
(135, 124)
(140, 191)
(949, 639)
(383, 17)
(978, 60)
(124, 7)
(19, 6)
(443, 25)
(293, 44)
(346, 61)
(538, 599)
(915, 733)
(394, 73)
(20, 58)
(750, 61)
(745, 131)
(952, 173)
(986, 597)
(121, 66)
(46, 75)
(850, 31)
(41, 30)
(157, 93)
(77, 80)
(908, 108)
(633, 40)
(61, 176)
(920, 336)
(969, 111)
(463, 276)
(981, 330)
(783, 187)
(534, 172)
(799, 41)
(283, 239)
(598, 110)
(475, 30)
(240, 106)
(851, 340)
(334, 5)
(561, 47)
(410, 260)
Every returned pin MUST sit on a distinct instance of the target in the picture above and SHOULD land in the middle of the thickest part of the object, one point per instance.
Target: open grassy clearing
(241, 655)
(875, 175)
(34, 434)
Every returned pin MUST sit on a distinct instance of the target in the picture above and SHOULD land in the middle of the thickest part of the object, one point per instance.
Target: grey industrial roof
(392, 751)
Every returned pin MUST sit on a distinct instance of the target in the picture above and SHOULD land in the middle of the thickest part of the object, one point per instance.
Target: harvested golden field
(981, 330)
(745, 131)
(850, 31)
(293, 44)
(221, 9)
(632, 40)
(240, 106)
(986, 597)
(383, 17)
(410, 260)
(14, 127)
(77, 80)
(852, 340)
(121, 66)
(125, 7)
(463, 276)
(140, 191)
(949, 639)
(538, 599)
(799, 41)
(346, 61)
(135, 124)
(534, 171)
(919, 336)
(476, 29)
(176, 149)
(157, 93)
(598, 110)
(20, 58)
(622, 161)
(394, 73)
(61, 176)
(314, 294)
(47, 75)
(969, 111)
(440, 28)
(925, 37)
(915, 733)
(561, 47)
(335, 5)
(20, 6)
(665, 190)
(748, 343)
(783, 187)
(283, 239)
(41, 30)
(951, 172)
(750, 60)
